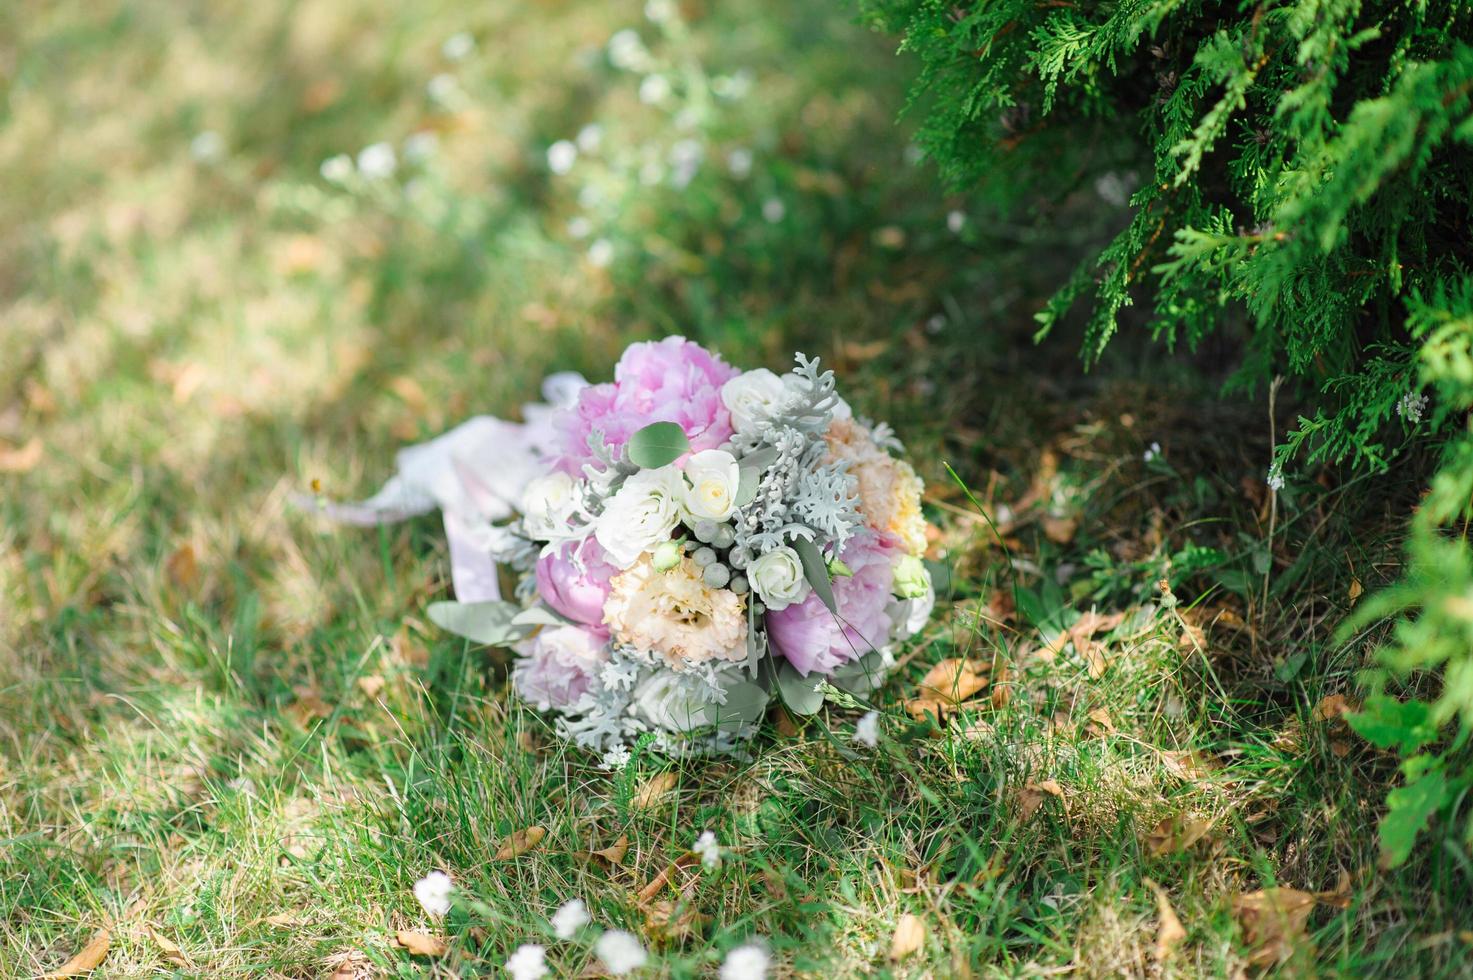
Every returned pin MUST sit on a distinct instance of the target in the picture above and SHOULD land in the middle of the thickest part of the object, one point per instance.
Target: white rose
(641, 515)
(713, 476)
(777, 578)
(752, 398)
(669, 701)
(547, 503)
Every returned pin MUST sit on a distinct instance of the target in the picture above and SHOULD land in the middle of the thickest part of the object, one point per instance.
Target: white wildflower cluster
(690, 541)
(1411, 406)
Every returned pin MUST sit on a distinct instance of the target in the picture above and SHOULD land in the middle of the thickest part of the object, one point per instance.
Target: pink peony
(671, 380)
(558, 665)
(574, 581)
(814, 639)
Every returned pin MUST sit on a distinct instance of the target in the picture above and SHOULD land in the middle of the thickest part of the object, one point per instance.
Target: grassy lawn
(228, 734)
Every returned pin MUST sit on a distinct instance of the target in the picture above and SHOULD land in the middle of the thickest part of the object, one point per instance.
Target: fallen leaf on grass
(1188, 765)
(308, 707)
(1340, 896)
(21, 459)
(1331, 707)
(352, 965)
(671, 922)
(520, 843)
(421, 943)
(910, 936)
(172, 953)
(1031, 796)
(1081, 634)
(653, 789)
(1169, 930)
(183, 567)
(1176, 834)
(953, 681)
(1273, 922)
(89, 959)
(1356, 590)
(283, 920)
(371, 686)
(614, 853)
(659, 881)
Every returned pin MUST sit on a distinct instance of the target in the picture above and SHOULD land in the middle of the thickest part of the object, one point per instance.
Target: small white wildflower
(207, 147)
(687, 119)
(621, 952)
(867, 730)
(443, 89)
(420, 147)
(735, 86)
(616, 758)
(774, 210)
(590, 196)
(561, 156)
(590, 137)
(749, 962)
(659, 11)
(936, 324)
(1411, 407)
(708, 849)
(579, 227)
(654, 89)
(739, 162)
(651, 173)
(529, 962)
(1114, 189)
(914, 154)
(627, 51)
(377, 161)
(569, 918)
(1152, 452)
(433, 892)
(601, 253)
(458, 46)
(956, 221)
(1276, 478)
(337, 169)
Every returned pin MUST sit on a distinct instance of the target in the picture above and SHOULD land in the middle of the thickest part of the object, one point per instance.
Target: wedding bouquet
(688, 541)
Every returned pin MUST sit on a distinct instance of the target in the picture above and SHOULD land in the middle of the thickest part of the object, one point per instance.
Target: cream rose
(752, 398)
(777, 578)
(547, 503)
(641, 515)
(713, 477)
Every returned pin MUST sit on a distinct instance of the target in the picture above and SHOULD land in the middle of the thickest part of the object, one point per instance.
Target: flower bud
(724, 537)
(703, 557)
(912, 581)
(739, 584)
(703, 530)
(716, 576)
(666, 556)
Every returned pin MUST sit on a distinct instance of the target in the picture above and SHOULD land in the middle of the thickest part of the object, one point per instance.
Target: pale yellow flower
(675, 615)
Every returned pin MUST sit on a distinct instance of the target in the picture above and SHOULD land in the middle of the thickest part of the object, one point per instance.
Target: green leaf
(1388, 723)
(539, 615)
(799, 693)
(816, 570)
(490, 623)
(861, 677)
(657, 444)
(1409, 808)
(746, 702)
(751, 478)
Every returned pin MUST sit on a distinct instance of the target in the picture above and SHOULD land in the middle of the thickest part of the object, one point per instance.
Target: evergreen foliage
(1304, 169)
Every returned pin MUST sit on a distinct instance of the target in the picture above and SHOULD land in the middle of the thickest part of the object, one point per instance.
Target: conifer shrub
(1304, 175)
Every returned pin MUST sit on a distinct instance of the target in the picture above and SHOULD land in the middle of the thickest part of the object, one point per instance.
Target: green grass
(194, 739)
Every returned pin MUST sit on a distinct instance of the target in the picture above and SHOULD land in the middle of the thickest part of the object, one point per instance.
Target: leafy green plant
(1299, 173)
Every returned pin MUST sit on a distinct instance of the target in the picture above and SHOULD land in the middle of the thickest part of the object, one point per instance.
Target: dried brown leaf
(614, 853)
(372, 685)
(88, 959)
(1356, 590)
(1031, 797)
(953, 681)
(1169, 930)
(520, 843)
(1331, 707)
(1176, 834)
(1060, 530)
(22, 459)
(910, 936)
(172, 953)
(421, 943)
(654, 789)
(182, 567)
(1273, 922)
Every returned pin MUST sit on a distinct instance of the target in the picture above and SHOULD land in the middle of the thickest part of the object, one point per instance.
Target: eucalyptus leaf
(657, 444)
(801, 694)
(490, 623)
(861, 677)
(539, 616)
(746, 702)
(816, 570)
(751, 479)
